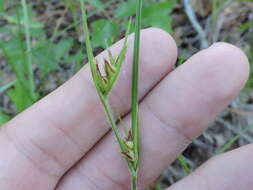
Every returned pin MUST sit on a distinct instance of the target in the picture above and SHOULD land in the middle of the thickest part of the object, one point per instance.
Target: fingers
(231, 171)
(51, 136)
(174, 113)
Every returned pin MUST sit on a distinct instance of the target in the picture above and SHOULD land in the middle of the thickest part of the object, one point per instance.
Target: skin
(63, 142)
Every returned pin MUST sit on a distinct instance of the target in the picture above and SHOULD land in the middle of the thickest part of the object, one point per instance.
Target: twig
(193, 19)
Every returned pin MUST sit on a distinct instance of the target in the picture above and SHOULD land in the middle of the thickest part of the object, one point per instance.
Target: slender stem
(111, 119)
(28, 51)
(135, 84)
(184, 164)
(86, 31)
(88, 44)
(112, 122)
(232, 141)
(134, 180)
(135, 91)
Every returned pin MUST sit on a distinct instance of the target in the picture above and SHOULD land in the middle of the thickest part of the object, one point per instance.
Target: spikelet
(111, 67)
(129, 148)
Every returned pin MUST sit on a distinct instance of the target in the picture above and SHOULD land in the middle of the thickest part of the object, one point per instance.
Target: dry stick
(193, 19)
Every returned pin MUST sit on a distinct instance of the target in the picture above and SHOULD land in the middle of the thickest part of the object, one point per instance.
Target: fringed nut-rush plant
(104, 80)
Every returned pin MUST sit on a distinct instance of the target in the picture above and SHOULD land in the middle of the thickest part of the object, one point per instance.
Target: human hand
(64, 142)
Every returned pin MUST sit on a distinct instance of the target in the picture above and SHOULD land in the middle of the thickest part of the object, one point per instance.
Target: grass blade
(184, 164)
(232, 141)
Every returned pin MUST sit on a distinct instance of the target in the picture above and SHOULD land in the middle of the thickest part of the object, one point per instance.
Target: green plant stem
(111, 119)
(28, 51)
(86, 31)
(135, 84)
(184, 164)
(134, 180)
(233, 140)
(112, 122)
(88, 43)
(135, 92)
(133, 162)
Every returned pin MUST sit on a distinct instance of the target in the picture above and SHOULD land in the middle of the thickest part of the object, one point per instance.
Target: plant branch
(193, 19)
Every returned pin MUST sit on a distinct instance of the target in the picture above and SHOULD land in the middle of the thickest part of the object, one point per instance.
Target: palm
(64, 142)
